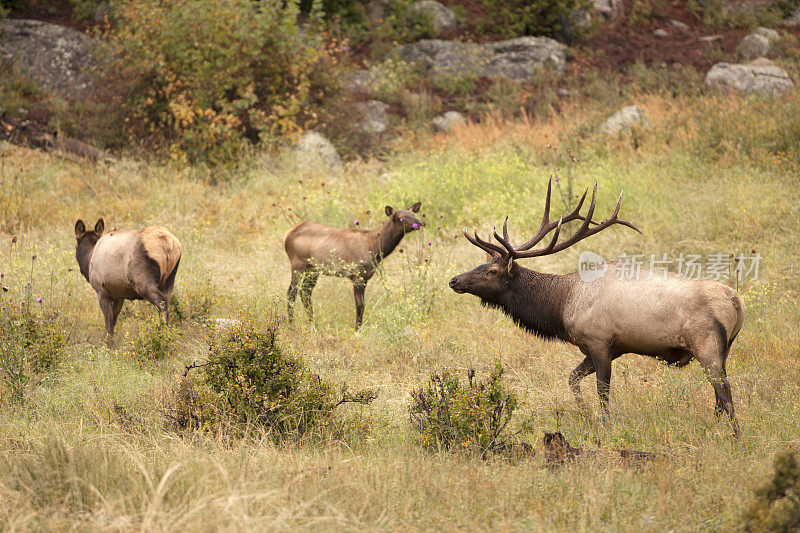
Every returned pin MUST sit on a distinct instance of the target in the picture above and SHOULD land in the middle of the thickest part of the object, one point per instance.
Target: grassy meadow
(89, 447)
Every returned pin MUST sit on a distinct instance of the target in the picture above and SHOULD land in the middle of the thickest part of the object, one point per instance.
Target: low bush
(450, 414)
(252, 381)
(515, 18)
(194, 301)
(32, 343)
(777, 504)
(153, 340)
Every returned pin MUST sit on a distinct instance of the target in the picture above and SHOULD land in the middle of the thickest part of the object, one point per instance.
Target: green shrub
(515, 18)
(194, 301)
(450, 414)
(777, 504)
(153, 340)
(83, 9)
(260, 384)
(207, 79)
(31, 344)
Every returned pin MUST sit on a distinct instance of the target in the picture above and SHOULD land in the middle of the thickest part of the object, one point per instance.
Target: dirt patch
(54, 12)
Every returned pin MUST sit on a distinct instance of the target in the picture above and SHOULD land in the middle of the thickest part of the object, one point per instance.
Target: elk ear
(512, 268)
(415, 208)
(99, 226)
(389, 211)
(80, 229)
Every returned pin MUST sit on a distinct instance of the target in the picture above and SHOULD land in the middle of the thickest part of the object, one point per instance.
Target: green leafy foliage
(260, 384)
(777, 504)
(208, 79)
(515, 18)
(153, 340)
(83, 9)
(448, 413)
(31, 344)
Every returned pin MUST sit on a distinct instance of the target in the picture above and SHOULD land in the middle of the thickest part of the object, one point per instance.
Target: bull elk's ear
(415, 208)
(99, 226)
(80, 229)
(389, 211)
(512, 268)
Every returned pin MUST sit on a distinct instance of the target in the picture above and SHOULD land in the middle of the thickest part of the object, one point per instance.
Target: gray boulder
(315, 152)
(363, 80)
(57, 57)
(448, 121)
(442, 19)
(625, 119)
(771, 35)
(516, 59)
(374, 117)
(608, 9)
(753, 46)
(759, 76)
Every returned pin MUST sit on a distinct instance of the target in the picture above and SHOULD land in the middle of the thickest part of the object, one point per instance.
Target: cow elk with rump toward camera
(315, 249)
(659, 315)
(128, 265)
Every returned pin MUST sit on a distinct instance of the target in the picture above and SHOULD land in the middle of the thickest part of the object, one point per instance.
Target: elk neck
(537, 302)
(384, 240)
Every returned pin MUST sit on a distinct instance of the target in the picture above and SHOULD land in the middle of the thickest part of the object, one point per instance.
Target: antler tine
(548, 226)
(505, 241)
(583, 232)
(487, 247)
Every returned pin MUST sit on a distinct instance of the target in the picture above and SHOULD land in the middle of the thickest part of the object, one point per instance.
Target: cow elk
(128, 265)
(315, 249)
(660, 315)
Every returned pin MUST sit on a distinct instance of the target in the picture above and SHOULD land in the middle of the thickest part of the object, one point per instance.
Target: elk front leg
(358, 292)
(600, 357)
(585, 368)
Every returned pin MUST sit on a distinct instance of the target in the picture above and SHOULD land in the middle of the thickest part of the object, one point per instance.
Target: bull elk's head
(486, 280)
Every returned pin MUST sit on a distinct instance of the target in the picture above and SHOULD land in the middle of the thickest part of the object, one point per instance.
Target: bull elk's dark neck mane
(536, 301)
(385, 239)
(83, 252)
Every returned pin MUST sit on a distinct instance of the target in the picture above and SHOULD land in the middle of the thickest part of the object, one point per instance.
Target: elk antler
(585, 230)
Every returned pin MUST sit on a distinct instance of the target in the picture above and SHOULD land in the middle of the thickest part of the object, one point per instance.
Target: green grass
(90, 448)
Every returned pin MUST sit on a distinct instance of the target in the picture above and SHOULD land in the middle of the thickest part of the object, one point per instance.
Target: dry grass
(89, 449)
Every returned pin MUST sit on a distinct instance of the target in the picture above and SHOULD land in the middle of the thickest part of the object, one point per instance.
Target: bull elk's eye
(491, 272)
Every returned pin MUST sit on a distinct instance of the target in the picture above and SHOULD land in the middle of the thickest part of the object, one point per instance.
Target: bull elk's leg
(600, 356)
(712, 357)
(358, 292)
(307, 284)
(585, 368)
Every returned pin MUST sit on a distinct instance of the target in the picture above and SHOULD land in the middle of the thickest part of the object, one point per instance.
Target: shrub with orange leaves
(206, 79)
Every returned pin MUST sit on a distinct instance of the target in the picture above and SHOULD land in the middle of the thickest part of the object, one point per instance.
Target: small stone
(680, 25)
(447, 121)
(441, 17)
(314, 150)
(661, 33)
(625, 119)
(754, 45)
(374, 117)
(771, 35)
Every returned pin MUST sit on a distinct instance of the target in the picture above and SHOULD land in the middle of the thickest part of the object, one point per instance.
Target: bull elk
(128, 265)
(663, 316)
(315, 249)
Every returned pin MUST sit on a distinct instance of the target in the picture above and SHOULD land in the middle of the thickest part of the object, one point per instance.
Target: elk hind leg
(585, 368)
(712, 354)
(307, 284)
(291, 294)
(153, 295)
